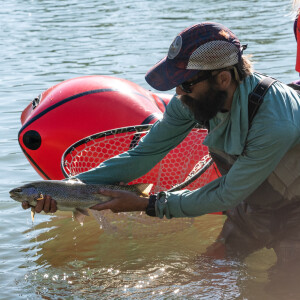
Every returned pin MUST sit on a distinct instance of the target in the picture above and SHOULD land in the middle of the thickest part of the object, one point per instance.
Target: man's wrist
(150, 209)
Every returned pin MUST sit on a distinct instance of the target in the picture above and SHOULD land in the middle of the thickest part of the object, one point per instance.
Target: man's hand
(122, 201)
(47, 204)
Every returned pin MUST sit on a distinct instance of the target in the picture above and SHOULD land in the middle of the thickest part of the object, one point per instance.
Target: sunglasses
(186, 86)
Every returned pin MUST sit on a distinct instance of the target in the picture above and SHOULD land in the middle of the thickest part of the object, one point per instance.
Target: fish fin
(79, 215)
(32, 213)
(83, 211)
(41, 197)
(144, 188)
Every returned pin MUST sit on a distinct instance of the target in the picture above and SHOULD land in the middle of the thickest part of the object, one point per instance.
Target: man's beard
(207, 105)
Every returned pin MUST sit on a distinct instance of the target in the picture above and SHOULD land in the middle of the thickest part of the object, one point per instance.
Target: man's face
(205, 101)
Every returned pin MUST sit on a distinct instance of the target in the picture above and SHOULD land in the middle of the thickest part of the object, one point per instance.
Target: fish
(72, 195)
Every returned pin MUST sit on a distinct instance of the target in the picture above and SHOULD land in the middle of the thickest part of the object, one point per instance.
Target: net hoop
(139, 129)
(187, 165)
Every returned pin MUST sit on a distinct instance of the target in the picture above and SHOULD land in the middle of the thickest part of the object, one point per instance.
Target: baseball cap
(204, 46)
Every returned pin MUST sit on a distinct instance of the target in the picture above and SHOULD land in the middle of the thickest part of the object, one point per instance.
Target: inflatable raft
(83, 107)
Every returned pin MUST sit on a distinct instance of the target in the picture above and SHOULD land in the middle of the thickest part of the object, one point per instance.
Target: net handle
(192, 178)
(138, 129)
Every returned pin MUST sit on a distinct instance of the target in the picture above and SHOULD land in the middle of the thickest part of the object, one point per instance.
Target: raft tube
(79, 107)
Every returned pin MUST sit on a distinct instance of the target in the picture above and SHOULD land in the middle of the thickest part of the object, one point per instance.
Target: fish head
(27, 192)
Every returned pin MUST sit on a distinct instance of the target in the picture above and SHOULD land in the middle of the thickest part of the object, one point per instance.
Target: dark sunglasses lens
(185, 87)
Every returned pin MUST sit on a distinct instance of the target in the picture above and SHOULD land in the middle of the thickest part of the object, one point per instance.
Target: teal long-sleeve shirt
(275, 130)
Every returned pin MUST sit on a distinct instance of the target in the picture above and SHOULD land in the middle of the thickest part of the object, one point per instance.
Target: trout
(71, 195)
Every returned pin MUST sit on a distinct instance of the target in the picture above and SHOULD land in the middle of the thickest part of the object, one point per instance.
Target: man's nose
(179, 91)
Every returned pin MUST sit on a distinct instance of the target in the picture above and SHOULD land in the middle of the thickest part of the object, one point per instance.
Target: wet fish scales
(71, 195)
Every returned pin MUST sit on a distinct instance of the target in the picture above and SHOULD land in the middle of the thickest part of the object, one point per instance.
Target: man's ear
(223, 79)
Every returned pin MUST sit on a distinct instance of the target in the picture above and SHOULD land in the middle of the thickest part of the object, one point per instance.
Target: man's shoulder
(277, 131)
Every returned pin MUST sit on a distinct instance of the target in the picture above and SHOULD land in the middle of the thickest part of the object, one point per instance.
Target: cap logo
(175, 47)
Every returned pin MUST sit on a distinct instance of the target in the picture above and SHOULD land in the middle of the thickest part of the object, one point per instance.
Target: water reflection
(86, 260)
(61, 239)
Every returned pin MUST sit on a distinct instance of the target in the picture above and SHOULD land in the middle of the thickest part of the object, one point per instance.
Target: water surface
(45, 42)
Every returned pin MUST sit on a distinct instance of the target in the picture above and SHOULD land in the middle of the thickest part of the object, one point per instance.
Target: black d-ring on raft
(32, 140)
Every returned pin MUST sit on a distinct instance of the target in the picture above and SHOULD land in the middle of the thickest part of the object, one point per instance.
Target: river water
(44, 42)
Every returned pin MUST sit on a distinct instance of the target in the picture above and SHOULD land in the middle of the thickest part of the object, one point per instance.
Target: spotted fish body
(71, 195)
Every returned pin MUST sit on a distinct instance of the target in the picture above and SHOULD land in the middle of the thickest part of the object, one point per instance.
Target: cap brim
(165, 75)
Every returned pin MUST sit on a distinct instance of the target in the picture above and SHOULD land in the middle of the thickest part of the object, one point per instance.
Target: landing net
(178, 166)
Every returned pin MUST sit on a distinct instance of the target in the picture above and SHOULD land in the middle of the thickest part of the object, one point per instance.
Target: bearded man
(257, 154)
